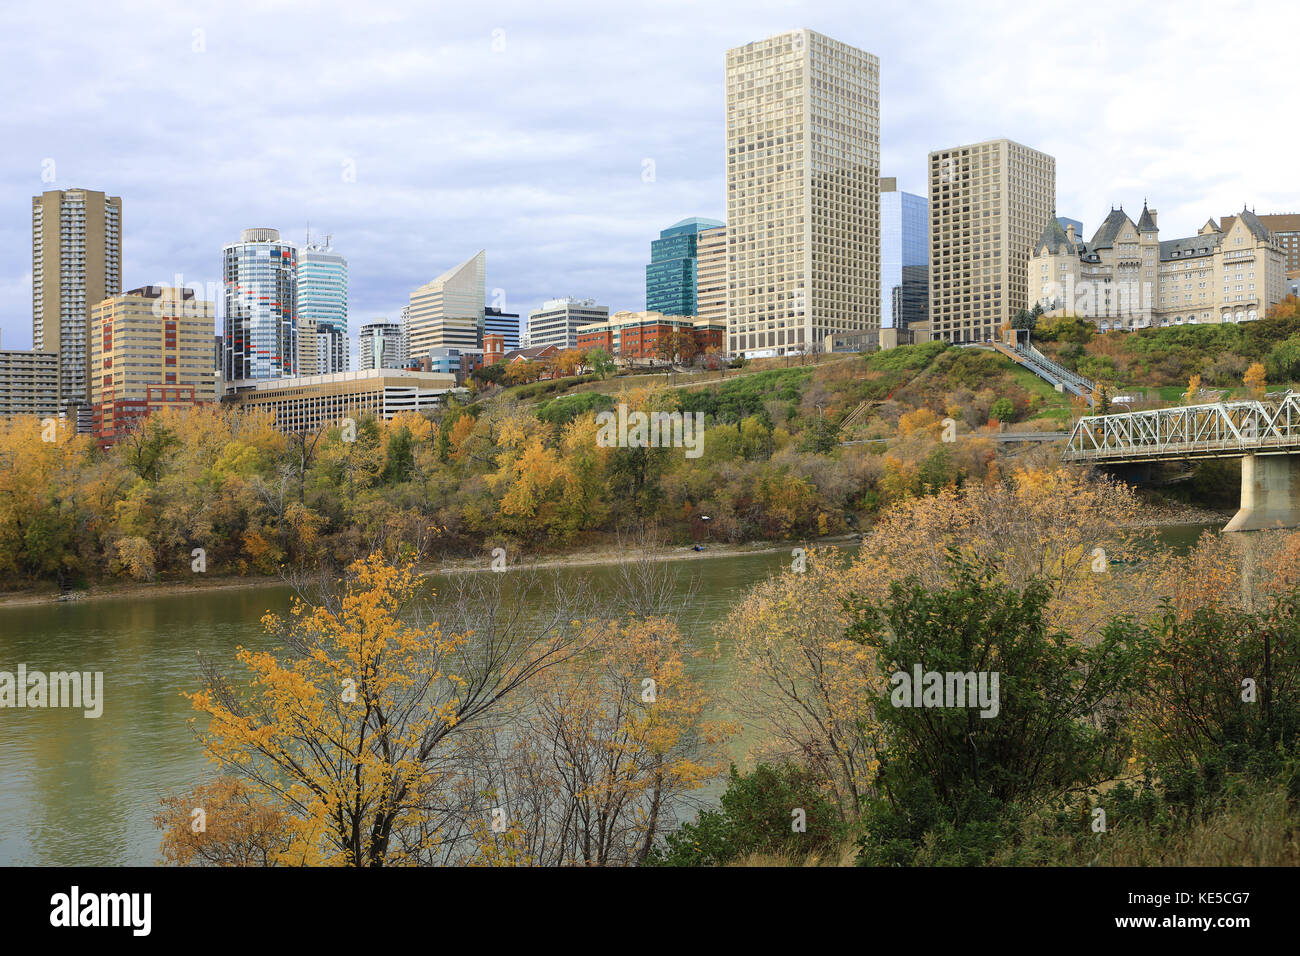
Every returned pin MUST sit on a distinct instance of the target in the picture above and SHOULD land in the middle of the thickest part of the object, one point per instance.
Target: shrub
(757, 816)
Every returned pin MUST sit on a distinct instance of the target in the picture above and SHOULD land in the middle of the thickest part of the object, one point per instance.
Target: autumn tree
(1255, 380)
(801, 684)
(223, 822)
(346, 730)
(612, 744)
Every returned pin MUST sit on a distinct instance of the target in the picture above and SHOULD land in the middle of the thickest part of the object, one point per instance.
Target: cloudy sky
(419, 132)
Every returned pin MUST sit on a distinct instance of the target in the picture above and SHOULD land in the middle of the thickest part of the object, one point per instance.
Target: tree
(1254, 380)
(1002, 410)
(237, 827)
(1026, 318)
(599, 362)
(1193, 393)
(348, 733)
(613, 742)
(1223, 689)
(754, 818)
(800, 684)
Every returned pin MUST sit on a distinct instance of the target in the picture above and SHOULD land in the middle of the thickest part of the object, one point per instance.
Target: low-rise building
(634, 336)
(319, 401)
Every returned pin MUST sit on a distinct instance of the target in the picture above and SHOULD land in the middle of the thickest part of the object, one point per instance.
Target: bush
(952, 780)
(562, 410)
(757, 816)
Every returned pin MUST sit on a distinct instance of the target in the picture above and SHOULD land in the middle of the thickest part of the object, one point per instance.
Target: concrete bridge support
(1270, 493)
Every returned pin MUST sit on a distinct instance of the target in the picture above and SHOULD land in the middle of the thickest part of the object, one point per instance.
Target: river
(83, 791)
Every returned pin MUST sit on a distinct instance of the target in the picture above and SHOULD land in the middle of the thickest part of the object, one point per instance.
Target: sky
(562, 136)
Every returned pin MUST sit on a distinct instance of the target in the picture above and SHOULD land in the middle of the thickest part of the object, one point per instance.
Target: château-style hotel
(1127, 277)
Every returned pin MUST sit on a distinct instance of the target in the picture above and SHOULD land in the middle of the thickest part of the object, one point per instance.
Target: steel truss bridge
(1221, 430)
(1264, 435)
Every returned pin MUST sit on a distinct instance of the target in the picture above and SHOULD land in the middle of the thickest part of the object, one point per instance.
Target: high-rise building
(988, 203)
(29, 383)
(323, 308)
(447, 312)
(904, 245)
(670, 277)
(76, 262)
(711, 275)
(803, 193)
(558, 320)
(260, 272)
(504, 324)
(150, 348)
(381, 345)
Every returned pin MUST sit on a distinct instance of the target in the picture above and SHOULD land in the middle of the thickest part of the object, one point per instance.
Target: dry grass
(1260, 831)
(844, 857)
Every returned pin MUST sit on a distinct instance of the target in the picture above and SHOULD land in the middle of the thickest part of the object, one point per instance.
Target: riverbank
(117, 590)
(1178, 515)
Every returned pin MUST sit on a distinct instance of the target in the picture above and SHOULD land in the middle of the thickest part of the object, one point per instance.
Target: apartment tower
(76, 263)
(381, 346)
(711, 275)
(803, 193)
(150, 348)
(988, 203)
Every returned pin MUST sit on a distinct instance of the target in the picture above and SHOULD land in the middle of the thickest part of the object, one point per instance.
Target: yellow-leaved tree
(347, 733)
(607, 751)
(803, 688)
(1255, 379)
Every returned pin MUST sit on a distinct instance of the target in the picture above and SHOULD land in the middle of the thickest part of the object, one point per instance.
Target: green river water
(83, 791)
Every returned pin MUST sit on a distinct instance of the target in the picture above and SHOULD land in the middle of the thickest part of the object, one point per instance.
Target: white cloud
(521, 127)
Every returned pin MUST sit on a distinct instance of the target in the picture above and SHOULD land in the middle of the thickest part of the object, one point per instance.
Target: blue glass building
(670, 277)
(904, 244)
(323, 303)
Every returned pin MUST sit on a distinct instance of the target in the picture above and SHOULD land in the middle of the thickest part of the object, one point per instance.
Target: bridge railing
(1190, 430)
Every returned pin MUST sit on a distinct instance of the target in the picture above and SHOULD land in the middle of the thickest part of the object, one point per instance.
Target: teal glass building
(670, 277)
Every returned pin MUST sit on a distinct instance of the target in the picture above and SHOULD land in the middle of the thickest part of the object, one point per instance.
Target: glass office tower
(261, 296)
(670, 278)
(904, 245)
(323, 306)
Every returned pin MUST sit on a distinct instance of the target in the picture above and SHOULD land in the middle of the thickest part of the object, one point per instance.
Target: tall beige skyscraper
(76, 263)
(711, 274)
(988, 204)
(803, 193)
(447, 312)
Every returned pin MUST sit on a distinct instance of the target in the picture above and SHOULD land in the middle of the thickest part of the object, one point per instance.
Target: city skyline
(547, 170)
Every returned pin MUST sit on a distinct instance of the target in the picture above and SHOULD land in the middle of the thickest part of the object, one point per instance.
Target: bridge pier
(1270, 493)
